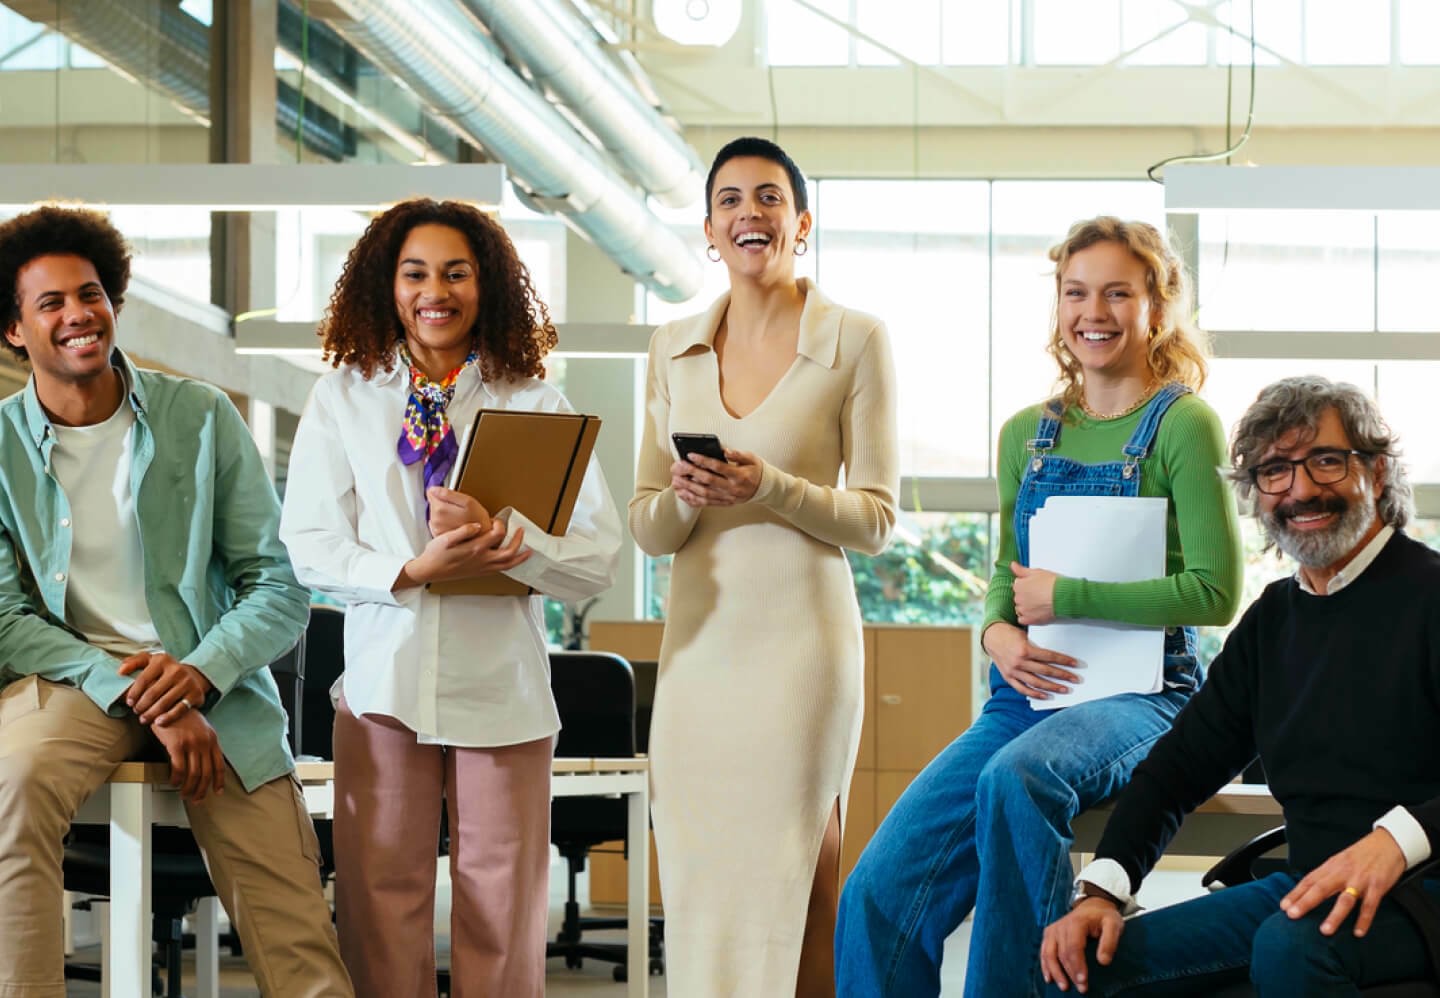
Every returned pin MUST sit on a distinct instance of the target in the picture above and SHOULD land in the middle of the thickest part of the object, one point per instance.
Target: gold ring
(1354, 892)
(187, 703)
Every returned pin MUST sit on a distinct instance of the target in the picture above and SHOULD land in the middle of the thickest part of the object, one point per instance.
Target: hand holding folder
(532, 462)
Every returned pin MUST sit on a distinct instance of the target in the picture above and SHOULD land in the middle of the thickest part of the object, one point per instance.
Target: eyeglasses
(1325, 467)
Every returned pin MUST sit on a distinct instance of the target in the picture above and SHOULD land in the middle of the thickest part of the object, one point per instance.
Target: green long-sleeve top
(1202, 580)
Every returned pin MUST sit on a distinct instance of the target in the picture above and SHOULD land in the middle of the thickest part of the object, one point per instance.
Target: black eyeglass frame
(1305, 463)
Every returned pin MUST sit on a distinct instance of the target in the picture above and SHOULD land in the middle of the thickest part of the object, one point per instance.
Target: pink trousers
(388, 792)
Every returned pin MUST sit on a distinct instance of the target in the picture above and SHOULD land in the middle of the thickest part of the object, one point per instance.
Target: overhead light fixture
(1368, 189)
(248, 186)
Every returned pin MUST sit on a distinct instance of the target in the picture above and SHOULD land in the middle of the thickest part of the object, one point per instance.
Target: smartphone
(707, 444)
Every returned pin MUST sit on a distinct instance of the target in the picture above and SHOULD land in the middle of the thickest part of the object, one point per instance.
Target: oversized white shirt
(457, 670)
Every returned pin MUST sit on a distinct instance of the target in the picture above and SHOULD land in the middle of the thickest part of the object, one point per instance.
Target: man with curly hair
(143, 591)
(1333, 677)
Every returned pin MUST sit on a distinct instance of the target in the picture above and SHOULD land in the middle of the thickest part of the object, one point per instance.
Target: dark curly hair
(512, 331)
(70, 231)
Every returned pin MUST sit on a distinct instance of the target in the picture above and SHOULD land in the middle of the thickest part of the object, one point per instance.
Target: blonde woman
(986, 826)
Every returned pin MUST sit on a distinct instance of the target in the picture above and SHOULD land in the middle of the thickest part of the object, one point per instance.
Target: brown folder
(531, 461)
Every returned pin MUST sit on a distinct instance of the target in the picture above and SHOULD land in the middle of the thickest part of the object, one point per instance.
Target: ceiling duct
(563, 55)
(458, 71)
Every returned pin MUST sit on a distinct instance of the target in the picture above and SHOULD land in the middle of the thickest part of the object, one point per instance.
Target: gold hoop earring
(801, 246)
(712, 253)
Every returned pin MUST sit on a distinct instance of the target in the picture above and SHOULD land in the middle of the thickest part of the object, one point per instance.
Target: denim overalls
(1048, 475)
(986, 825)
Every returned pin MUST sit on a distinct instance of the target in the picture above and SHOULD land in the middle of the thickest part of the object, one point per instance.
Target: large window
(959, 272)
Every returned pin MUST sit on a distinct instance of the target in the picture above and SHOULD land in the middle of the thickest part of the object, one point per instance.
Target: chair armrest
(1236, 867)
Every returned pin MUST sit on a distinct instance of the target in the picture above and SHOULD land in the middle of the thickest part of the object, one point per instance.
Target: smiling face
(66, 323)
(437, 296)
(1104, 311)
(753, 221)
(1321, 525)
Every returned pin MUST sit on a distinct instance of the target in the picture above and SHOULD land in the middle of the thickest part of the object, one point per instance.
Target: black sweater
(1340, 696)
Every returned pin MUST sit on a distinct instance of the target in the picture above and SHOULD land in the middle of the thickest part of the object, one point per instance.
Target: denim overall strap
(1144, 436)
(1047, 474)
(1047, 430)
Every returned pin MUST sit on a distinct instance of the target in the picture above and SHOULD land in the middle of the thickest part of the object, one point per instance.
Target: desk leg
(101, 906)
(128, 958)
(637, 905)
(207, 948)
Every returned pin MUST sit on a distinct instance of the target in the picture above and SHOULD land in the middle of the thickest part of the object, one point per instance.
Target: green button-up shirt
(218, 582)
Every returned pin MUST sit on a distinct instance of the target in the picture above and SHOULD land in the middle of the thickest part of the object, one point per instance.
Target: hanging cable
(1226, 153)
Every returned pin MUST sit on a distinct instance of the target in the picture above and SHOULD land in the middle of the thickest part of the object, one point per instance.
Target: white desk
(138, 796)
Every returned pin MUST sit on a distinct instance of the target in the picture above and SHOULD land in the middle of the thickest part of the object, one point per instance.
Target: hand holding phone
(704, 444)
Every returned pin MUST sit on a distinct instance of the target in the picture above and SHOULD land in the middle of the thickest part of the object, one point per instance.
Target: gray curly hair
(1291, 403)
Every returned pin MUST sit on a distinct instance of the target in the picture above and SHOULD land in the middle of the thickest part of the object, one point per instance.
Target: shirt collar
(819, 327)
(39, 424)
(398, 371)
(1356, 565)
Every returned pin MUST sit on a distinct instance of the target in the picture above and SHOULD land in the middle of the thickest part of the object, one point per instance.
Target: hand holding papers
(1104, 539)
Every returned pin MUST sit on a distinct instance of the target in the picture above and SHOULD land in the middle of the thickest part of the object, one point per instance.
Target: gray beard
(1317, 549)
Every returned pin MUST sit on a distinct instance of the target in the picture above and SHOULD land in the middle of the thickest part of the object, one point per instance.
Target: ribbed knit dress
(758, 703)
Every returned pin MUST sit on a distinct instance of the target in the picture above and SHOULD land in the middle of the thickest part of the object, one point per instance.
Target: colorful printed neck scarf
(426, 432)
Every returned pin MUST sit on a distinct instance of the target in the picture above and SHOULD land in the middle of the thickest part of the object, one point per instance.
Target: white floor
(594, 978)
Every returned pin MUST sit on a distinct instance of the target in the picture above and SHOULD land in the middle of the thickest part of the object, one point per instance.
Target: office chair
(595, 694)
(1252, 861)
(179, 879)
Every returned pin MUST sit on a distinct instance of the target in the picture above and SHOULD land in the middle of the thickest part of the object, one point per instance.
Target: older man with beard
(1333, 677)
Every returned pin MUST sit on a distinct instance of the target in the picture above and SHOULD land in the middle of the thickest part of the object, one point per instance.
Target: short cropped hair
(762, 149)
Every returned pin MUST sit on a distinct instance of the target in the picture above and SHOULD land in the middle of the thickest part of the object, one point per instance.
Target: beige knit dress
(758, 702)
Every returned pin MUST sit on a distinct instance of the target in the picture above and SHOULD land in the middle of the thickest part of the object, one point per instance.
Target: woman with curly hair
(443, 697)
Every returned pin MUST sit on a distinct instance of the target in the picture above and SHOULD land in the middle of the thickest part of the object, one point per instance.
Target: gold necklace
(1144, 397)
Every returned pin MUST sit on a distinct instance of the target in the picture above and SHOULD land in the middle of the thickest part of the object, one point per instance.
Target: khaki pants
(388, 790)
(56, 749)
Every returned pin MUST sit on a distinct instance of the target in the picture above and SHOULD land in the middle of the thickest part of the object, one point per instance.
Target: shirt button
(59, 576)
(65, 521)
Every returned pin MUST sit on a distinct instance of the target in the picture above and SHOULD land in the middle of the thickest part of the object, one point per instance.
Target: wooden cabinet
(917, 701)
(917, 689)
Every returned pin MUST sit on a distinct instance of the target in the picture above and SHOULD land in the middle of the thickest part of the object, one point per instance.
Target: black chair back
(289, 673)
(595, 694)
(324, 661)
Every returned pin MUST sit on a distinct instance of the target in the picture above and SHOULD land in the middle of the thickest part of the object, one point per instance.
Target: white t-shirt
(105, 591)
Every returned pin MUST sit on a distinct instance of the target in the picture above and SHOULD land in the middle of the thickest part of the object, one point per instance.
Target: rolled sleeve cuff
(1111, 878)
(1409, 835)
(374, 576)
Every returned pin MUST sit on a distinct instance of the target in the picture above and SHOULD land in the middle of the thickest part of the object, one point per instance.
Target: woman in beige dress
(758, 703)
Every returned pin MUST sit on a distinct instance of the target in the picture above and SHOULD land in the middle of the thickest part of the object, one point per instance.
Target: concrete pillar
(242, 130)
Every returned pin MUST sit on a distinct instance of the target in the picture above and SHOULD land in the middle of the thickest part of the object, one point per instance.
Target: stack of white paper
(1104, 539)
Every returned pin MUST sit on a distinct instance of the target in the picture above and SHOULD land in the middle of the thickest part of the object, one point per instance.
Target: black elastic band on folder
(569, 470)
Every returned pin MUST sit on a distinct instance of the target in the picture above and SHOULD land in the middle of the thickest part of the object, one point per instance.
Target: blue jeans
(1196, 947)
(986, 826)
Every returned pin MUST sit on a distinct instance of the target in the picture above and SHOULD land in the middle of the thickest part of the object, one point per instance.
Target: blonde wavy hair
(1177, 350)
